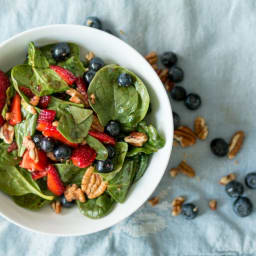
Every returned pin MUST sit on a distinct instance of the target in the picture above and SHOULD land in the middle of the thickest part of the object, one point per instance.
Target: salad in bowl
(73, 132)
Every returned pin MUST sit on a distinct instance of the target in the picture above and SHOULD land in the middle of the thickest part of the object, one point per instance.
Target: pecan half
(163, 75)
(186, 169)
(176, 205)
(31, 147)
(168, 85)
(174, 172)
(93, 184)
(152, 57)
(226, 179)
(77, 97)
(154, 201)
(89, 56)
(213, 205)
(185, 136)
(56, 206)
(235, 144)
(200, 128)
(73, 192)
(137, 139)
(7, 133)
(96, 125)
(34, 100)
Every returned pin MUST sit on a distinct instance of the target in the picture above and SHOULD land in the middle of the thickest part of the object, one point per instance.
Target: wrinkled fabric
(216, 45)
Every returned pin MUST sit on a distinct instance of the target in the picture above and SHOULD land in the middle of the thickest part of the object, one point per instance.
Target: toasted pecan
(152, 57)
(137, 139)
(236, 144)
(186, 169)
(185, 136)
(7, 133)
(200, 128)
(226, 179)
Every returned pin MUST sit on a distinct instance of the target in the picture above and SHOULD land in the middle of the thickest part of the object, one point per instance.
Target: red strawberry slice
(4, 84)
(44, 101)
(46, 115)
(27, 92)
(81, 86)
(16, 116)
(51, 131)
(54, 182)
(65, 74)
(83, 156)
(30, 164)
(103, 137)
(36, 175)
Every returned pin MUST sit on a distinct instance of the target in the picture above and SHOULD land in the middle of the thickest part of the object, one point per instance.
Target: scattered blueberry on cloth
(216, 45)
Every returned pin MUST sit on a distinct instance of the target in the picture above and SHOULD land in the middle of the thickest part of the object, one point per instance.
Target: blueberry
(178, 93)
(250, 180)
(124, 80)
(219, 147)
(62, 152)
(242, 206)
(193, 101)
(96, 64)
(234, 188)
(37, 139)
(176, 74)
(169, 59)
(93, 22)
(111, 151)
(104, 166)
(65, 203)
(176, 120)
(61, 51)
(189, 211)
(113, 128)
(47, 144)
(89, 75)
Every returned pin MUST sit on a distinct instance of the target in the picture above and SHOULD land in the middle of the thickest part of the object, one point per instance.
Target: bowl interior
(112, 50)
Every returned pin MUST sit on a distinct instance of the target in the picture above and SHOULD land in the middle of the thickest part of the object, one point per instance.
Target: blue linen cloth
(216, 45)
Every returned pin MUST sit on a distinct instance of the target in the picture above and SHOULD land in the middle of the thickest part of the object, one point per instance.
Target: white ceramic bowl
(112, 50)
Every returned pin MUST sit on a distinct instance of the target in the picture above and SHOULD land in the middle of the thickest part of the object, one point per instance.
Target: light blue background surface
(216, 44)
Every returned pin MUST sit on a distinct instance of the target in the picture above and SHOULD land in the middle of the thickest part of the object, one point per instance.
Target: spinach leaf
(98, 207)
(70, 174)
(35, 57)
(8, 158)
(18, 182)
(26, 128)
(41, 81)
(155, 141)
(9, 94)
(102, 152)
(143, 164)
(74, 65)
(47, 52)
(58, 104)
(120, 153)
(118, 187)
(30, 201)
(74, 123)
(128, 105)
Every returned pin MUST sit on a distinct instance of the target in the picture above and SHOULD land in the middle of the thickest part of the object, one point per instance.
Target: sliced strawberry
(103, 137)
(4, 84)
(65, 74)
(54, 182)
(81, 86)
(44, 101)
(16, 116)
(42, 125)
(27, 91)
(38, 175)
(30, 164)
(83, 156)
(46, 115)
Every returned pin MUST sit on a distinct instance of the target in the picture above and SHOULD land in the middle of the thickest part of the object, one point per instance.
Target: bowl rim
(168, 141)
